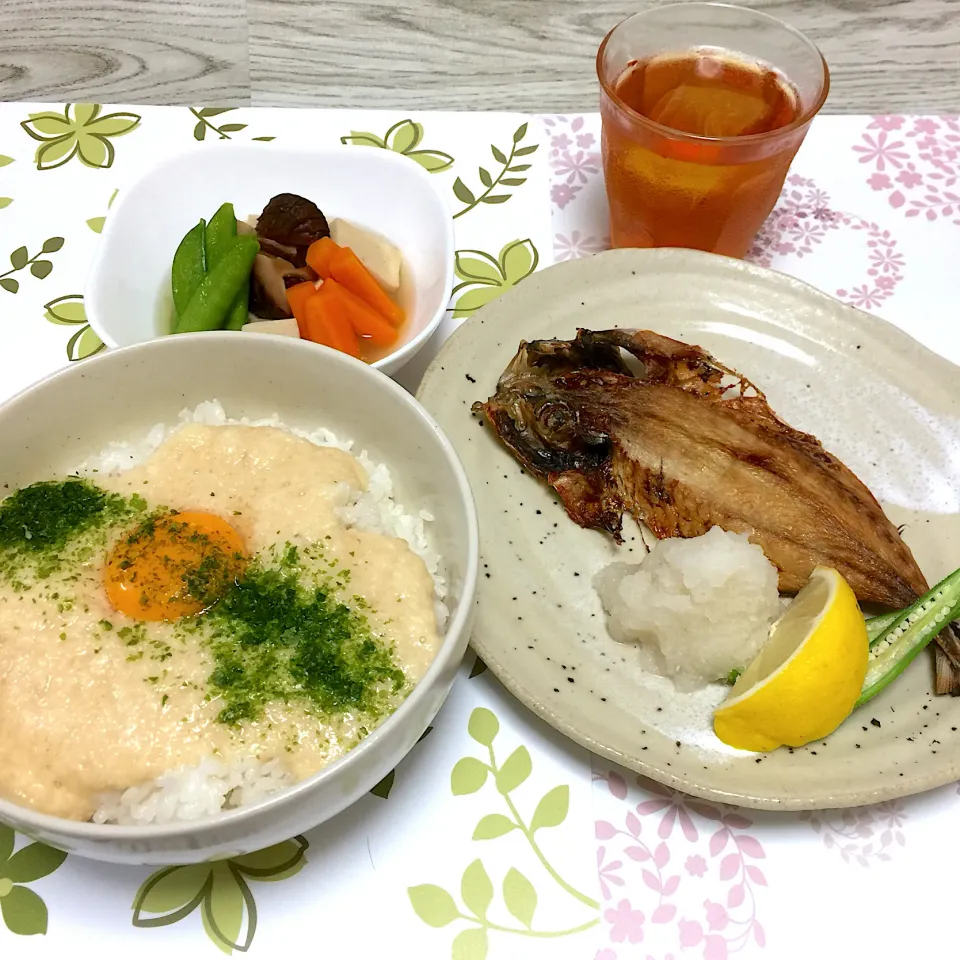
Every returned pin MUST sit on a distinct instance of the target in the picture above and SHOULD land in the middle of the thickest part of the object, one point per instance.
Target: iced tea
(697, 141)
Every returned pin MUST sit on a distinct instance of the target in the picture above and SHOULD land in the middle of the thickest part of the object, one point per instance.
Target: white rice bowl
(204, 790)
(697, 608)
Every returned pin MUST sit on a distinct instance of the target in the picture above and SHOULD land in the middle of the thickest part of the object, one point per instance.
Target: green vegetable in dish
(189, 267)
(220, 231)
(239, 313)
(208, 306)
(909, 632)
(876, 626)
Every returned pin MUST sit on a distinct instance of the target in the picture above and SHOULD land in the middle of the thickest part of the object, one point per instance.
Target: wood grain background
(529, 55)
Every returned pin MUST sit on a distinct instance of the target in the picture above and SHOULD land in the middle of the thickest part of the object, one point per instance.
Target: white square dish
(128, 296)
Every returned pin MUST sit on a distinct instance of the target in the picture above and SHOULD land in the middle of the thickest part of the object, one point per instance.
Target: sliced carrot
(297, 297)
(367, 323)
(326, 322)
(346, 339)
(347, 269)
(319, 254)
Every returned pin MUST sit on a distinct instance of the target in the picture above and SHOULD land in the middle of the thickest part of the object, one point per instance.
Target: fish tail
(947, 661)
(947, 675)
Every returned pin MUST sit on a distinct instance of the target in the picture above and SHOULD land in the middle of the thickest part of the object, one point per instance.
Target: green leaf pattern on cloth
(497, 189)
(478, 667)
(68, 311)
(476, 889)
(5, 201)
(493, 825)
(224, 908)
(470, 944)
(438, 908)
(96, 223)
(552, 809)
(383, 788)
(468, 776)
(221, 891)
(204, 125)
(23, 910)
(39, 266)
(81, 131)
(433, 905)
(405, 138)
(519, 896)
(484, 277)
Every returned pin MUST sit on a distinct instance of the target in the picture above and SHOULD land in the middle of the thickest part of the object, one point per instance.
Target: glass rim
(683, 135)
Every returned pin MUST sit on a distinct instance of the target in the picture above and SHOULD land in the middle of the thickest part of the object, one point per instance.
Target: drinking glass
(671, 188)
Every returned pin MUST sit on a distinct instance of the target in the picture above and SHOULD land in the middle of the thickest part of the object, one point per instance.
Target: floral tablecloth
(496, 837)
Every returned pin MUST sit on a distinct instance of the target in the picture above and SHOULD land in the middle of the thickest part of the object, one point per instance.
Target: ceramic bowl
(128, 296)
(52, 426)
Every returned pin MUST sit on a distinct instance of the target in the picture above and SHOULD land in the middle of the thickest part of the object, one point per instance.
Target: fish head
(538, 410)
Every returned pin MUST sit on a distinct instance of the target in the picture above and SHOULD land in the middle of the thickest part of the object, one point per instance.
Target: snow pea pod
(220, 231)
(189, 267)
(239, 312)
(214, 297)
(911, 630)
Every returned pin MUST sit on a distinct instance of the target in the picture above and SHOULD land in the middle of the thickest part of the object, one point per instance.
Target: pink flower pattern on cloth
(625, 923)
(711, 905)
(678, 877)
(916, 163)
(804, 216)
(574, 159)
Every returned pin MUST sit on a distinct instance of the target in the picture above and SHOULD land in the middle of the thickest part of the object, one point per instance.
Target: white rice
(211, 786)
(193, 792)
(697, 608)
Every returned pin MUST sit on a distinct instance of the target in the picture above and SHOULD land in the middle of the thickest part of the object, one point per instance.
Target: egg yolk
(173, 567)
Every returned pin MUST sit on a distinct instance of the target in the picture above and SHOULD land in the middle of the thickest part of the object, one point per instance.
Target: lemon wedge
(805, 681)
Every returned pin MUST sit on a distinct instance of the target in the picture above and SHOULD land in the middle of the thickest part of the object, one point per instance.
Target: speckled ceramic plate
(889, 408)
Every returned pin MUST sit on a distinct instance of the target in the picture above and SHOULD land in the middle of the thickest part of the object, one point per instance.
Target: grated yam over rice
(211, 786)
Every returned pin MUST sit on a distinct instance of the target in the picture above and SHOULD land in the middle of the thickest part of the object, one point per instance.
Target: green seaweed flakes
(38, 523)
(274, 637)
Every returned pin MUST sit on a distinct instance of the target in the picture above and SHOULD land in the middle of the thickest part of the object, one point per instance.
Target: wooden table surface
(528, 55)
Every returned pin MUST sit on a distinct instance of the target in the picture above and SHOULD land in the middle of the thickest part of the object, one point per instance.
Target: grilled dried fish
(688, 443)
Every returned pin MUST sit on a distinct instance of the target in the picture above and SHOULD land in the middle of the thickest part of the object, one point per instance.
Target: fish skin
(947, 676)
(687, 443)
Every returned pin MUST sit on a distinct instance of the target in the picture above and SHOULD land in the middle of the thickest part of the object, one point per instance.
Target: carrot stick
(319, 254)
(344, 335)
(346, 268)
(326, 322)
(297, 297)
(367, 323)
